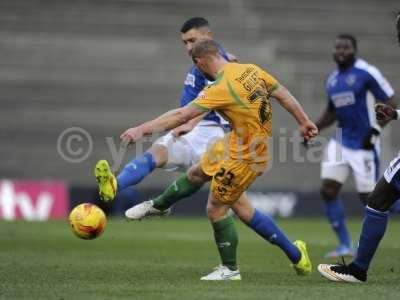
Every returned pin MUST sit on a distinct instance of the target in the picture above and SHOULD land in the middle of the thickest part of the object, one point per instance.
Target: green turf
(164, 258)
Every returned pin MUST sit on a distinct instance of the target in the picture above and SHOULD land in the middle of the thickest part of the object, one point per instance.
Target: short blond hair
(204, 48)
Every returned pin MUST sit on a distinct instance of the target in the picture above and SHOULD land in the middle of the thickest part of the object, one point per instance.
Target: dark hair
(204, 48)
(196, 22)
(349, 37)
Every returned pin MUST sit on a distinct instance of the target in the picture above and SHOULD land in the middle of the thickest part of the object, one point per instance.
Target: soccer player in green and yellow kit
(241, 93)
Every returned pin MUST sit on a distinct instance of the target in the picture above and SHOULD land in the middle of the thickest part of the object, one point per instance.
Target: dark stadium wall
(44, 200)
(284, 204)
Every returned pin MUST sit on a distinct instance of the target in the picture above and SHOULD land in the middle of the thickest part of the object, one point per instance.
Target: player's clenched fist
(308, 130)
(385, 112)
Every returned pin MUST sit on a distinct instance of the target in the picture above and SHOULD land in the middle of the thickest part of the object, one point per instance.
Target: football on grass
(87, 221)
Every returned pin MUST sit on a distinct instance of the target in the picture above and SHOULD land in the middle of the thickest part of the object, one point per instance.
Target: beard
(347, 62)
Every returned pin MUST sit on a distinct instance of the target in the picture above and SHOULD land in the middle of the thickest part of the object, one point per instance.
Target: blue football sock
(335, 212)
(374, 227)
(135, 171)
(266, 227)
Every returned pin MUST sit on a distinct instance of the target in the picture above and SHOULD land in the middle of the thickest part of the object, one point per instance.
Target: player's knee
(329, 192)
(160, 154)
(383, 196)
(216, 211)
(373, 203)
(243, 209)
(196, 175)
(378, 203)
(212, 213)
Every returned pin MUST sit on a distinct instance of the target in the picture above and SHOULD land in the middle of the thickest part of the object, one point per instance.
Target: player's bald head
(204, 49)
(206, 56)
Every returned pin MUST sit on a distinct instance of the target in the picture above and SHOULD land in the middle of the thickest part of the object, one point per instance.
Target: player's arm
(308, 130)
(387, 112)
(187, 127)
(380, 87)
(374, 132)
(327, 118)
(167, 121)
(391, 102)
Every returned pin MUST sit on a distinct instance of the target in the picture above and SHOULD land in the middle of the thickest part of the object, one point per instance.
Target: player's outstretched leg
(145, 210)
(267, 229)
(373, 229)
(296, 252)
(136, 170)
(133, 172)
(106, 180)
(182, 187)
(334, 211)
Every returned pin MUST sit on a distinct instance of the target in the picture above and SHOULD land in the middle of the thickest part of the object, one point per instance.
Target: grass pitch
(164, 259)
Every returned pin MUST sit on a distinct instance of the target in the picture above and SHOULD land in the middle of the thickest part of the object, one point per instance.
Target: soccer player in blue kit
(352, 90)
(385, 194)
(180, 148)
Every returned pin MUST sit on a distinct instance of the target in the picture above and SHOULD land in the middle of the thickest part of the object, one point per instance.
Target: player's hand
(182, 130)
(385, 112)
(308, 130)
(307, 144)
(371, 138)
(132, 135)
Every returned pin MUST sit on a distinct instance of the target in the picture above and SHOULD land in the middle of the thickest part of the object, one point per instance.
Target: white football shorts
(339, 160)
(186, 150)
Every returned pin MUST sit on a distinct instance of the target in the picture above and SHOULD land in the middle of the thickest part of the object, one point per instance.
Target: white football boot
(222, 273)
(145, 210)
(342, 273)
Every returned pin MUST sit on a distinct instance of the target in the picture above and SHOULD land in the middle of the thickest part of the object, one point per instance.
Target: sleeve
(378, 85)
(271, 81)
(213, 97)
(190, 90)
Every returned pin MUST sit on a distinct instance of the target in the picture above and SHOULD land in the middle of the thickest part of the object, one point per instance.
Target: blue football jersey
(392, 173)
(195, 82)
(352, 93)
